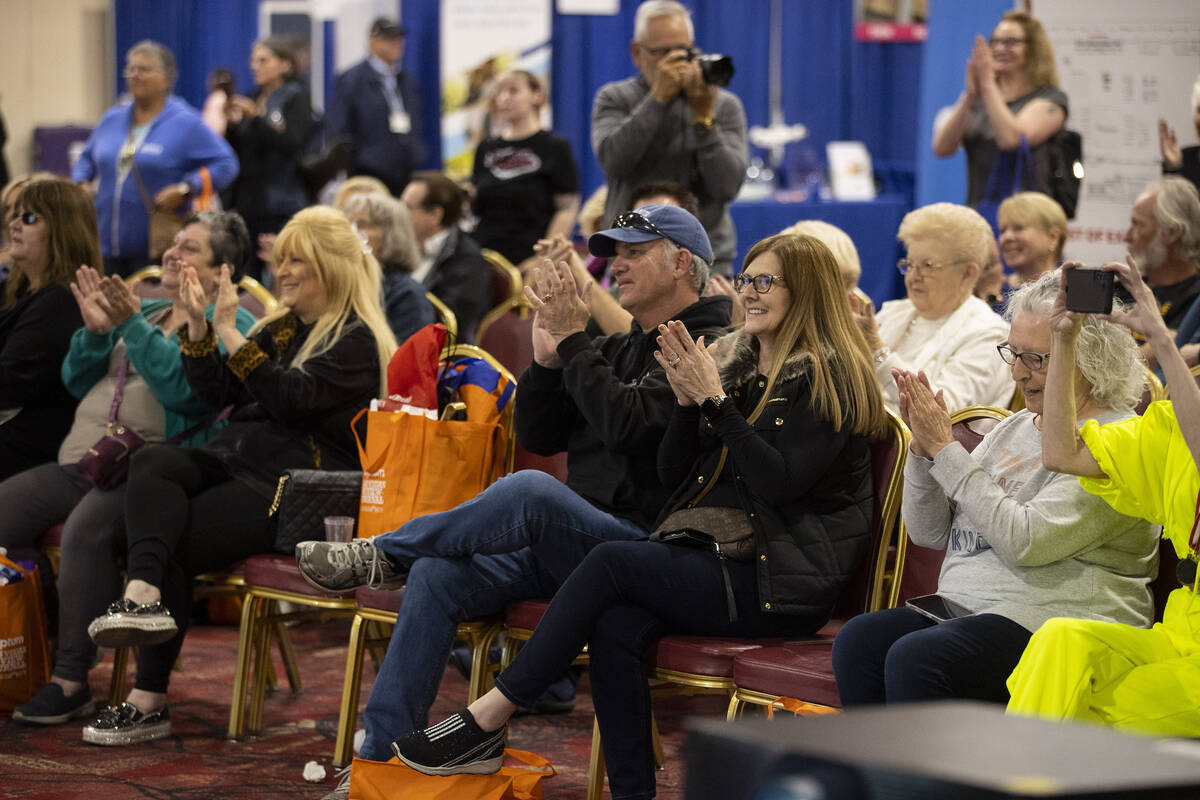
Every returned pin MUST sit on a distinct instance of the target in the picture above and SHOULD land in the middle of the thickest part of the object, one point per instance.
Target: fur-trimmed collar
(737, 360)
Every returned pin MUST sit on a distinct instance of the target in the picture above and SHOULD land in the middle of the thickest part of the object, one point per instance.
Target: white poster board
(479, 40)
(1123, 66)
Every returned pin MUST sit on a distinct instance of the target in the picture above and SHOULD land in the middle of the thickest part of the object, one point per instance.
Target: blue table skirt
(871, 224)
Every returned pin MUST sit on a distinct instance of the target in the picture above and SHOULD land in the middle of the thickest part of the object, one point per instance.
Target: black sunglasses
(762, 282)
(28, 218)
(632, 219)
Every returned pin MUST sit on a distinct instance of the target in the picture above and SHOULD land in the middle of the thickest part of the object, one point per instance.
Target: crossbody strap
(122, 373)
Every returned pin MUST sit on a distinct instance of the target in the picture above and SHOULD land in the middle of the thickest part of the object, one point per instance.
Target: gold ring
(547, 297)
(675, 362)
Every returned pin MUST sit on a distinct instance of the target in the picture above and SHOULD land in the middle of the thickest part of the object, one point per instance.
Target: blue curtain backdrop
(839, 88)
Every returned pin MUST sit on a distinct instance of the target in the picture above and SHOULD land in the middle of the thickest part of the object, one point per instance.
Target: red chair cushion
(801, 671)
(278, 571)
(525, 613)
(704, 655)
(381, 599)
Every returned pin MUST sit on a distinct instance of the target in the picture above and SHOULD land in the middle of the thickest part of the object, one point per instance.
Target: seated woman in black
(769, 439)
(295, 384)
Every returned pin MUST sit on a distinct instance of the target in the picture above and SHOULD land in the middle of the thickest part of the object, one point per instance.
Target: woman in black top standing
(526, 182)
(269, 131)
(1011, 90)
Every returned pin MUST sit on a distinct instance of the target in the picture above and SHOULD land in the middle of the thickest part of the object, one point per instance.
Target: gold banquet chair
(444, 315)
(254, 297)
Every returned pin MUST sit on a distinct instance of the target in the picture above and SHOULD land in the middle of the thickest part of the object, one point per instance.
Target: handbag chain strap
(283, 479)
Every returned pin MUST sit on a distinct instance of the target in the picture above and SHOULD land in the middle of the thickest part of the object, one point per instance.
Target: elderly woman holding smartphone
(1022, 543)
(1138, 680)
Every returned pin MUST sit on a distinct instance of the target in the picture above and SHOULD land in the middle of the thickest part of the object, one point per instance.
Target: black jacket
(269, 150)
(608, 408)
(285, 417)
(461, 279)
(807, 487)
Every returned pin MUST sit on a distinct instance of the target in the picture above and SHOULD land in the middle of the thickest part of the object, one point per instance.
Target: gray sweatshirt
(1024, 542)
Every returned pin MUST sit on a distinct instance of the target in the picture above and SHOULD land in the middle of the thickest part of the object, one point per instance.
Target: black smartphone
(937, 608)
(1090, 291)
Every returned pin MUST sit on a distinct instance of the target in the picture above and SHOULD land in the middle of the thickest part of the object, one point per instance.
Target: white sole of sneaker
(485, 767)
(85, 710)
(140, 733)
(131, 631)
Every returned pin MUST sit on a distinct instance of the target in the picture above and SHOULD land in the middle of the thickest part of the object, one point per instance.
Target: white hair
(699, 269)
(1177, 207)
(1105, 352)
(660, 8)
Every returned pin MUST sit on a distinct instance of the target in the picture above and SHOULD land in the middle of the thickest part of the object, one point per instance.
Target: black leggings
(185, 516)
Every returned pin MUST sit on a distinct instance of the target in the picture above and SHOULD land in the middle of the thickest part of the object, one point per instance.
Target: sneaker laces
(354, 559)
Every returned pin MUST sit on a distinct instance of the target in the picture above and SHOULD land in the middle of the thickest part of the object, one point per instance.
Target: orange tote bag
(380, 780)
(24, 660)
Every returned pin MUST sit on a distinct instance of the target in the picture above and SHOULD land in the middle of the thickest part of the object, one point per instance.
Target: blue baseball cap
(650, 222)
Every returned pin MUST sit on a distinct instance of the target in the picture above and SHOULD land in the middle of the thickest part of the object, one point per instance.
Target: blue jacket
(177, 145)
(359, 111)
(156, 358)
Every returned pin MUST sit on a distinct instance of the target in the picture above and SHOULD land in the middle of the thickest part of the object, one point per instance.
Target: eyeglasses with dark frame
(904, 265)
(1032, 361)
(658, 53)
(632, 219)
(762, 282)
(1005, 41)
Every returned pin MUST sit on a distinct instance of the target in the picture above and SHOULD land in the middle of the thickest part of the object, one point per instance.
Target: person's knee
(157, 460)
(437, 585)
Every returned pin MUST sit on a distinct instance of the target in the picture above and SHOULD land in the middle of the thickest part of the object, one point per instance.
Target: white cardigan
(960, 360)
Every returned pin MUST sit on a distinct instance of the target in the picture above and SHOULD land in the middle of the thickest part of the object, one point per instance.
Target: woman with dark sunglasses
(1022, 544)
(768, 441)
(52, 231)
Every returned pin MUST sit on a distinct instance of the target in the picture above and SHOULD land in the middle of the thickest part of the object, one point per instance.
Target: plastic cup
(339, 529)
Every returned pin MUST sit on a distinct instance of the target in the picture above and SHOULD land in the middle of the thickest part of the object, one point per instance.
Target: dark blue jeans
(620, 601)
(898, 656)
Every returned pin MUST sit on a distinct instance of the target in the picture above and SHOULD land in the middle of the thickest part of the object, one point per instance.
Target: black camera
(1090, 291)
(716, 69)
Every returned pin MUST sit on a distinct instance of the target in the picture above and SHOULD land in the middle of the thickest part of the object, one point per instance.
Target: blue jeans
(516, 540)
(622, 599)
(898, 656)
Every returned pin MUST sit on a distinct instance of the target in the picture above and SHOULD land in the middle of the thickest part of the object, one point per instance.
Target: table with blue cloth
(872, 224)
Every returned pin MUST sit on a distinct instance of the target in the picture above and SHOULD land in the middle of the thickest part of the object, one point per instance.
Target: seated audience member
(1033, 229)
(1184, 162)
(525, 179)
(451, 265)
(123, 340)
(8, 206)
(799, 483)
(1023, 544)
(606, 402)
(52, 231)
(356, 185)
(940, 329)
(1137, 680)
(385, 223)
(295, 384)
(1164, 240)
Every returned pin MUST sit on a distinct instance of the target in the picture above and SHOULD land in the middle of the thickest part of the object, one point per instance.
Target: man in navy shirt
(375, 107)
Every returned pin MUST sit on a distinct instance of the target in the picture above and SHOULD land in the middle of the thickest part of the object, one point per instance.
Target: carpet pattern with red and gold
(197, 762)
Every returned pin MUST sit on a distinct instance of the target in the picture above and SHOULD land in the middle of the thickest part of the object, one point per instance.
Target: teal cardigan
(155, 357)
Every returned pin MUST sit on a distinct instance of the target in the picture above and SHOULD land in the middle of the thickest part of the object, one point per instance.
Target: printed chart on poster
(479, 40)
(1123, 66)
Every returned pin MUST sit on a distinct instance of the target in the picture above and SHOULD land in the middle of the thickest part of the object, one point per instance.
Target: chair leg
(116, 685)
(735, 707)
(660, 758)
(595, 784)
(480, 679)
(262, 662)
(343, 749)
(241, 674)
(288, 655)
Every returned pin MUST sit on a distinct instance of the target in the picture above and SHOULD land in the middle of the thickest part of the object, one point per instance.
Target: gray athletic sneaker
(342, 790)
(342, 566)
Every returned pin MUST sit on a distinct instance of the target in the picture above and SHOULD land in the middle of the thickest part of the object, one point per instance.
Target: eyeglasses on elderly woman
(905, 266)
(1033, 361)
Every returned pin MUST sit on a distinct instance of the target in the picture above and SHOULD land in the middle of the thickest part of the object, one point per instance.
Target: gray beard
(1152, 257)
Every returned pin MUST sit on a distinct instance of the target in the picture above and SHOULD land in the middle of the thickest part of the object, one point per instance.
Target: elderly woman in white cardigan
(941, 329)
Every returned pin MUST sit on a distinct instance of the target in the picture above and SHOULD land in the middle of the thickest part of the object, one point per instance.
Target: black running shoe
(454, 746)
(128, 624)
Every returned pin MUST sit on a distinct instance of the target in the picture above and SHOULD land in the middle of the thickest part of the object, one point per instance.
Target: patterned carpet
(196, 762)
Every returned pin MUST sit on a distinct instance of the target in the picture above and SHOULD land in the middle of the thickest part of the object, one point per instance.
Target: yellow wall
(56, 68)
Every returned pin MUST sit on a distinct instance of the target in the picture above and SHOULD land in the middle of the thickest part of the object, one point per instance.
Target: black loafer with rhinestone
(129, 624)
(125, 724)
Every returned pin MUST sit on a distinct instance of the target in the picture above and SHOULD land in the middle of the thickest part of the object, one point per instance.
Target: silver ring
(547, 297)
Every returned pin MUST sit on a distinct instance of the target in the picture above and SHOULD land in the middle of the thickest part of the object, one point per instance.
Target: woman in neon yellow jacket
(1139, 680)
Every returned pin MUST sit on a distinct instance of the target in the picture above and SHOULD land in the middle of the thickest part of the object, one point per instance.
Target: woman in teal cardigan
(129, 348)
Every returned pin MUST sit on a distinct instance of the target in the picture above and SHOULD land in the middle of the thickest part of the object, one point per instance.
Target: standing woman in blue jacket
(167, 142)
(269, 131)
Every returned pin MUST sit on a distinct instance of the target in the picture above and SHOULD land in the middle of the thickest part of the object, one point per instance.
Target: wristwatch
(711, 406)
(703, 127)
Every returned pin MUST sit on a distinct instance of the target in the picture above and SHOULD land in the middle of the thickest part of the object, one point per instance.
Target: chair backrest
(444, 316)
(506, 279)
(917, 568)
(1018, 400)
(512, 319)
(456, 351)
(1154, 390)
(254, 297)
(864, 589)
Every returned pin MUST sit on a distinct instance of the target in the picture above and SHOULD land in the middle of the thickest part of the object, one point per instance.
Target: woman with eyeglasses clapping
(1011, 91)
(941, 328)
(1022, 544)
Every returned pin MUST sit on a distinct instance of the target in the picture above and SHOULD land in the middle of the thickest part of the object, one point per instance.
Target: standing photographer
(667, 122)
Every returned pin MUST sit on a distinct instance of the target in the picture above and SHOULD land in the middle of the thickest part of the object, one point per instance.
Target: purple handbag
(106, 463)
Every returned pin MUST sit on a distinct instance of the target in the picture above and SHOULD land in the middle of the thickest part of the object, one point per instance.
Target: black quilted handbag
(305, 497)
